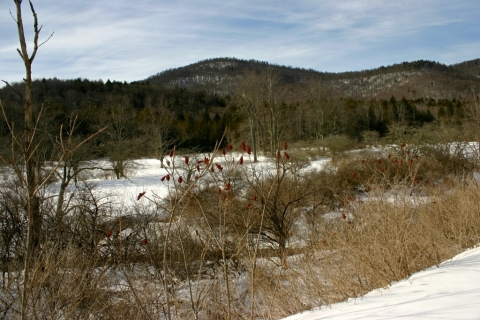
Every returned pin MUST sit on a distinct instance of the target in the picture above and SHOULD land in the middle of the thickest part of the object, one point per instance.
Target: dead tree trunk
(26, 142)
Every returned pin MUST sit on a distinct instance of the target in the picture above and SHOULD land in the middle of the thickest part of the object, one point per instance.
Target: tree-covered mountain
(413, 80)
(471, 67)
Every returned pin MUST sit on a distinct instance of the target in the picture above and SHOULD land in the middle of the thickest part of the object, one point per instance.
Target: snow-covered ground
(147, 174)
(450, 291)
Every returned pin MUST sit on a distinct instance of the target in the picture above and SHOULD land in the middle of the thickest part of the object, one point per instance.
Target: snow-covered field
(449, 291)
(147, 173)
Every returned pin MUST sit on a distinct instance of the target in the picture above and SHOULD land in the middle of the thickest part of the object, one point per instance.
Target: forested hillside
(471, 67)
(412, 80)
(261, 103)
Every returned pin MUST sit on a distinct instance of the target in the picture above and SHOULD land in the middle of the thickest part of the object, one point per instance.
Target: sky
(126, 40)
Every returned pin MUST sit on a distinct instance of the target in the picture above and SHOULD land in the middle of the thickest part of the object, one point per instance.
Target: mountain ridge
(410, 79)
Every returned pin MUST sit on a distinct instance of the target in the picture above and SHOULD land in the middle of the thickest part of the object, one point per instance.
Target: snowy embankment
(449, 291)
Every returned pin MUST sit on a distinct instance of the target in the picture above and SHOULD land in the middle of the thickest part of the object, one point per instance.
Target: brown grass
(208, 260)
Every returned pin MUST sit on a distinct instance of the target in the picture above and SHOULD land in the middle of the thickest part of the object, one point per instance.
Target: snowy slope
(450, 291)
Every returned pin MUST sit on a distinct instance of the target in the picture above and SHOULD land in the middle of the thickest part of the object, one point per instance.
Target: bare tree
(120, 116)
(320, 104)
(264, 104)
(28, 144)
(25, 143)
(248, 95)
(273, 107)
(69, 169)
(157, 123)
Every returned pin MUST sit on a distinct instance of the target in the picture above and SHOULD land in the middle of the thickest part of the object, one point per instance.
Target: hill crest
(421, 78)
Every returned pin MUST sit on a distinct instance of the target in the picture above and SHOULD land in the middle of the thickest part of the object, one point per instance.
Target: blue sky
(128, 40)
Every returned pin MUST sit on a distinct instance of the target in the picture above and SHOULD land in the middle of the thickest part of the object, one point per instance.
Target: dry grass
(381, 242)
(209, 260)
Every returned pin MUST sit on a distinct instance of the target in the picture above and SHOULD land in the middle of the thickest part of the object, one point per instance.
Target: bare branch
(9, 304)
(33, 150)
(63, 156)
(36, 31)
(14, 90)
(21, 55)
(41, 44)
(11, 14)
(61, 139)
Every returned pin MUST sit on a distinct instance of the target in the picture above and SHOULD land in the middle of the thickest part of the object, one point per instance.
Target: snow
(146, 177)
(449, 291)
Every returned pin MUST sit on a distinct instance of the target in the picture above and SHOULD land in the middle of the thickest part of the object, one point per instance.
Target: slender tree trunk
(254, 138)
(33, 205)
(59, 212)
(28, 146)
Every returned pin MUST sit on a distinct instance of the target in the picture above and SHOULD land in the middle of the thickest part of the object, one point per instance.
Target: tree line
(148, 120)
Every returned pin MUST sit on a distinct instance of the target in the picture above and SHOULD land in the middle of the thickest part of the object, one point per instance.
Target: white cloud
(131, 40)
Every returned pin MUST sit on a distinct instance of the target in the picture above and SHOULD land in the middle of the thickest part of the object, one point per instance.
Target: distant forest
(143, 119)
